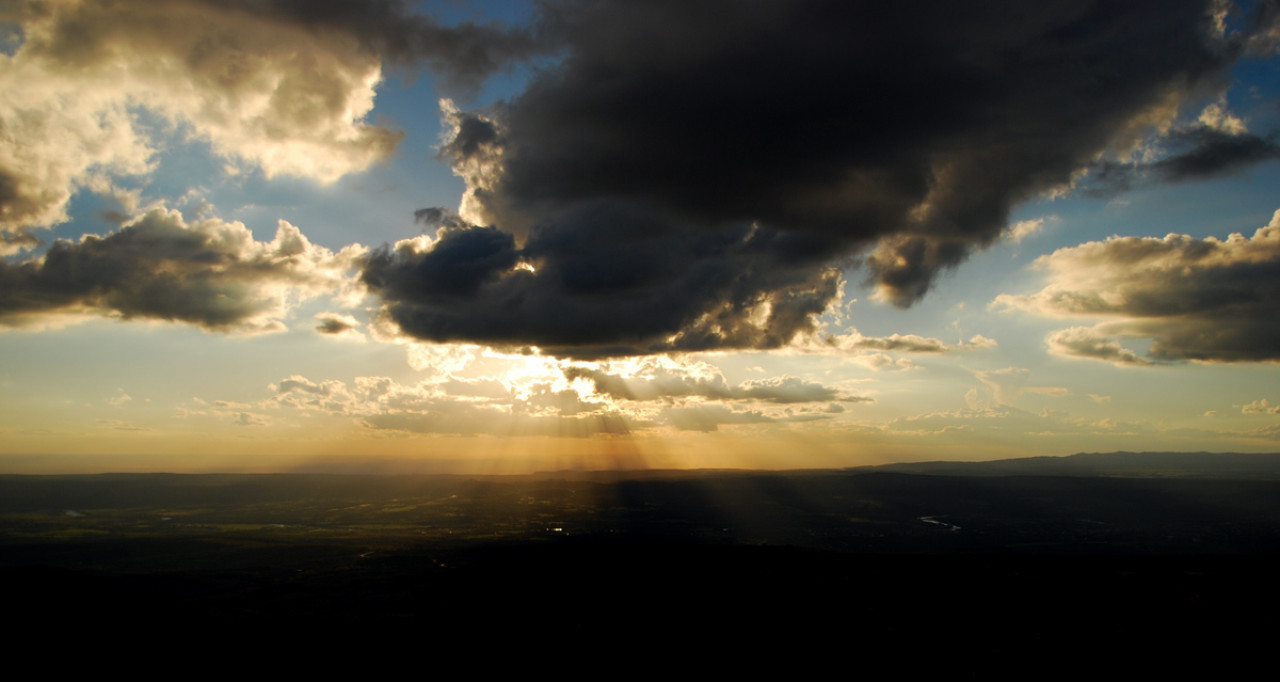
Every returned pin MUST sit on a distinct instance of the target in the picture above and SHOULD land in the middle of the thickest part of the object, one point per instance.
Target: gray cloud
(1214, 152)
(707, 418)
(1197, 153)
(455, 418)
(663, 385)
(336, 323)
(211, 274)
(909, 343)
(686, 163)
(1195, 299)
(1094, 344)
(17, 241)
(786, 390)
(464, 54)
(607, 279)
(14, 205)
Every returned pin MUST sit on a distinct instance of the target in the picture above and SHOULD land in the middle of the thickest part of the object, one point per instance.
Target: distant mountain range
(1109, 464)
(1138, 464)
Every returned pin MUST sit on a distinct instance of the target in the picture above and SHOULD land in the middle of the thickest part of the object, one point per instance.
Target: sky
(503, 237)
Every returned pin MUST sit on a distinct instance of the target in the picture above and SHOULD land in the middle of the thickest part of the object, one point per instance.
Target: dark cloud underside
(689, 173)
(1199, 153)
(607, 282)
(1194, 299)
(464, 54)
(211, 274)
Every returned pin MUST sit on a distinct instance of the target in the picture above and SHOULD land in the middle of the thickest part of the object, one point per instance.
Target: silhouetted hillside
(1197, 464)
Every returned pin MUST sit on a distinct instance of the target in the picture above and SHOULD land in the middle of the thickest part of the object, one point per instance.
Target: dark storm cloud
(857, 121)
(458, 264)
(631, 173)
(1206, 300)
(607, 280)
(211, 274)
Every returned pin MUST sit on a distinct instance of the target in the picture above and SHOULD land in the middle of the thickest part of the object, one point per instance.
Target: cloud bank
(664, 384)
(1205, 300)
(552, 397)
(210, 273)
(675, 177)
(282, 86)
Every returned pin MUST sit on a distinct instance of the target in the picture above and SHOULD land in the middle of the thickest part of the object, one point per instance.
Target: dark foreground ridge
(985, 568)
